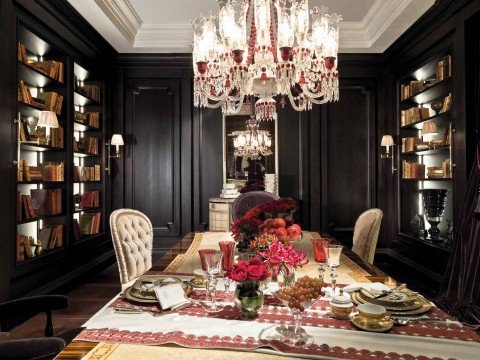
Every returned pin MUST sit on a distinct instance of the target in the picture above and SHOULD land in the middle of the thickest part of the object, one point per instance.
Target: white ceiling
(163, 26)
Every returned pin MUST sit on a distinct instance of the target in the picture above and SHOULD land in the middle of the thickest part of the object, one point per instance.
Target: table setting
(267, 289)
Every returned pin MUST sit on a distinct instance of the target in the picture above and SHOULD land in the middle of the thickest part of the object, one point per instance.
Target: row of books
(47, 100)
(87, 173)
(48, 171)
(90, 199)
(51, 237)
(440, 172)
(24, 248)
(413, 170)
(410, 144)
(91, 119)
(91, 91)
(51, 68)
(413, 115)
(88, 224)
(414, 87)
(87, 145)
(40, 202)
(444, 68)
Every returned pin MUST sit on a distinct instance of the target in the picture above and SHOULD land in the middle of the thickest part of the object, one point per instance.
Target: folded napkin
(171, 296)
(374, 288)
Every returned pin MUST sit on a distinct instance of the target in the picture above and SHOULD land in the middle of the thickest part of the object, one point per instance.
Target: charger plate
(141, 297)
(425, 306)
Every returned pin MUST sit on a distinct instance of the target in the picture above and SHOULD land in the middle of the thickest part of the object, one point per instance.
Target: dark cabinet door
(152, 163)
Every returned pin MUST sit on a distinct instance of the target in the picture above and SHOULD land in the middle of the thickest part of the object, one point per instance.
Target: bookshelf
(56, 171)
(426, 157)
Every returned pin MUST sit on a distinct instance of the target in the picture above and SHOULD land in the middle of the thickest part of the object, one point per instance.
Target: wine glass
(213, 260)
(333, 261)
(320, 248)
(227, 247)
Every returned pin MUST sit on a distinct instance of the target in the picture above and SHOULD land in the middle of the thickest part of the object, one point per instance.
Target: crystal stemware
(320, 253)
(213, 260)
(333, 261)
(227, 247)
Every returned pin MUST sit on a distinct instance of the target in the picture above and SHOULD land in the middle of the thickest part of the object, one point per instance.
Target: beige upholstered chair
(132, 236)
(365, 234)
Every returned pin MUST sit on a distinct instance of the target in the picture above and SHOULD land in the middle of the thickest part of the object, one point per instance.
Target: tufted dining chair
(248, 200)
(365, 234)
(132, 236)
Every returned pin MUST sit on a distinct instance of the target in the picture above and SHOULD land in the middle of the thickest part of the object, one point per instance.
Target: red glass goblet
(320, 252)
(227, 247)
(203, 253)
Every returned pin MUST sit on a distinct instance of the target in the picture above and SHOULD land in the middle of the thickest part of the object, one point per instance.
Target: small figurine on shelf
(33, 244)
(39, 249)
(418, 226)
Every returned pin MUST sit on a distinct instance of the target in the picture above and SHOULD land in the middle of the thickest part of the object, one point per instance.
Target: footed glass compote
(298, 297)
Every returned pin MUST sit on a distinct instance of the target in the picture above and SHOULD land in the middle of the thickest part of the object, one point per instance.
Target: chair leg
(49, 325)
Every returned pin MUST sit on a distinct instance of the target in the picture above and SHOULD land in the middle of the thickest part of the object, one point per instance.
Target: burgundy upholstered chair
(246, 201)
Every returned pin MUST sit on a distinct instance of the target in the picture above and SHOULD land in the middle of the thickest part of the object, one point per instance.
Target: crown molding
(165, 36)
(123, 17)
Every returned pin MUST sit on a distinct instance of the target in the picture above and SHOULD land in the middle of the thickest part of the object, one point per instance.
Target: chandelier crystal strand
(252, 142)
(265, 48)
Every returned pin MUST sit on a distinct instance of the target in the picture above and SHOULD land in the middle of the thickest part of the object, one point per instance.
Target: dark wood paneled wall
(314, 147)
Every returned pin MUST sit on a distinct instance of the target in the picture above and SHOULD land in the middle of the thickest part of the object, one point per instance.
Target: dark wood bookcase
(77, 74)
(411, 246)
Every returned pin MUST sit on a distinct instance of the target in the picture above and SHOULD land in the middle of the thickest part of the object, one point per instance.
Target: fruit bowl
(283, 228)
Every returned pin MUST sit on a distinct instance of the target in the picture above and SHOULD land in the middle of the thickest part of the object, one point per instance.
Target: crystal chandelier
(252, 142)
(265, 48)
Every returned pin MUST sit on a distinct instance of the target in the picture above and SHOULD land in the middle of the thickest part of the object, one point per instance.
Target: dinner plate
(412, 305)
(383, 325)
(424, 306)
(133, 295)
(394, 299)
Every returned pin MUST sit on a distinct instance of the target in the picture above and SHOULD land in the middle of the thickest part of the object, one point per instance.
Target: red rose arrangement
(279, 256)
(252, 270)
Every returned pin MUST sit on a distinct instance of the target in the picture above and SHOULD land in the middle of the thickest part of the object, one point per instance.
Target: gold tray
(133, 295)
(423, 308)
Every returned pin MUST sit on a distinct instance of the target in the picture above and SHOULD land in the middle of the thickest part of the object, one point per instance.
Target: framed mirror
(241, 135)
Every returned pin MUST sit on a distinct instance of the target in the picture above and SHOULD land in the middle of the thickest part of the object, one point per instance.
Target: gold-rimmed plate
(384, 325)
(137, 296)
(424, 306)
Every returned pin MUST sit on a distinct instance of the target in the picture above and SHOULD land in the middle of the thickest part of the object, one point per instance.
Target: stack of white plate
(229, 191)
(271, 183)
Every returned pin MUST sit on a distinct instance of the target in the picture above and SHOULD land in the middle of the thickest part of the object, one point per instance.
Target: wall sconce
(47, 119)
(387, 142)
(116, 140)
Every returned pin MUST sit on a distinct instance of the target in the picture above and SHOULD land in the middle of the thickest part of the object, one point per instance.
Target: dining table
(195, 333)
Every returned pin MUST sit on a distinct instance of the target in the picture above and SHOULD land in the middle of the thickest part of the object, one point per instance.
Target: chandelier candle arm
(265, 48)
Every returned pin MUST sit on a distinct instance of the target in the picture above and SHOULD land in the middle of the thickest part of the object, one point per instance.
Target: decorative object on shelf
(429, 129)
(248, 227)
(229, 191)
(252, 142)
(229, 68)
(436, 105)
(48, 120)
(434, 204)
(418, 226)
(447, 103)
(117, 141)
(387, 142)
(248, 294)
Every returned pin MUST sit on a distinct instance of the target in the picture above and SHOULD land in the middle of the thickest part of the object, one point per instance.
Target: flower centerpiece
(262, 242)
(273, 218)
(281, 258)
(248, 294)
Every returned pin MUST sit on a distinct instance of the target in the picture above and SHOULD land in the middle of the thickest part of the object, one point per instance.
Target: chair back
(249, 200)
(365, 234)
(132, 236)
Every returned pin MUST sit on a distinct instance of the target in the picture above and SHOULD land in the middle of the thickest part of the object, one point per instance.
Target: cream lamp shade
(429, 127)
(387, 140)
(117, 140)
(48, 119)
